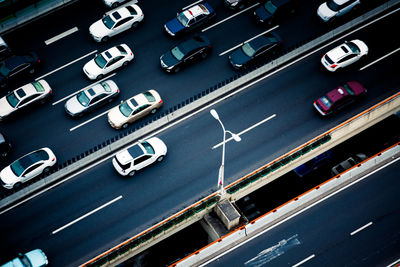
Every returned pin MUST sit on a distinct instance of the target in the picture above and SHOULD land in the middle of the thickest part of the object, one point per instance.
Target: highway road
(189, 172)
(358, 226)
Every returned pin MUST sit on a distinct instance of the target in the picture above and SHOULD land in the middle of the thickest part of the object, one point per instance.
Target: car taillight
(50, 92)
(210, 46)
(38, 60)
(53, 159)
(160, 101)
(131, 54)
(117, 90)
(333, 66)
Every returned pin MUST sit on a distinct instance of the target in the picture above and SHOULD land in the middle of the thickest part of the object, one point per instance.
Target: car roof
(341, 2)
(111, 53)
(337, 94)
(196, 10)
(121, 13)
(339, 52)
(25, 91)
(193, 43)
(260, 42)
(136, 151)
(14, 62)
(34, 157)
(95, 90)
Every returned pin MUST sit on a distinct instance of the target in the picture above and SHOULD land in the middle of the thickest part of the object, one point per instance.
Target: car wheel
(203, 55)
(99, 77)
(125, 125)
(154, 110)
(104, 39)
(160, 158)
(135, 25)
(114, 5)
(177, 69)
(17, 185)
(125, 63)
(132, 173)
(46, 170)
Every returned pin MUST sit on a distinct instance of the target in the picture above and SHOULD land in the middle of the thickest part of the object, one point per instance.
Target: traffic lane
(325, 230)
(190, 161)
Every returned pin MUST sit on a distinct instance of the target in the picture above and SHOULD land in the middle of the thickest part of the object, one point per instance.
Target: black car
(5, 146)
(16, 67)
(274, 9)
(255, 50)
(197, 47)
(238, 4)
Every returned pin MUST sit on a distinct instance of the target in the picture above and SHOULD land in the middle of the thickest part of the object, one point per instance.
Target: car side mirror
(122, 101)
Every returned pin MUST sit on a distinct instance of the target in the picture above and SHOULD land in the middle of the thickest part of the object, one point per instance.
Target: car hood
(98, 29)
(5, 108)
(239, 57)
(169, 59)
(262, 14)
(174, 26)
(7, 176)
(92, 68)
(325, 12)
(73, 106)
(116, 116)
(363, 47)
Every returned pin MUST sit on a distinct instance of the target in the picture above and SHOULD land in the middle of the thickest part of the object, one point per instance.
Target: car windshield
(100, 61)
(125, 109)
(12, 99)
(38, 86)
(106, 87)
(354, 48)
(248, 50)
(4, 70)
(108, 21)
(25, 261)
(149, 97)
(326, 101)
(149, 149)
(182, 19)
(177, 53)
(83, 99)
(270, 7)
(348, 89)
(333, 6)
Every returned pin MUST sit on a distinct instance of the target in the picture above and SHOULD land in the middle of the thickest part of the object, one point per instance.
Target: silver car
(91, 98)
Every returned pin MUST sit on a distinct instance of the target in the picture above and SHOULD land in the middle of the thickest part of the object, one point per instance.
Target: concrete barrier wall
(290, 208)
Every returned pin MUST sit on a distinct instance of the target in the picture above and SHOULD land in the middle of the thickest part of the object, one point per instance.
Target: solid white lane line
(87, 214)
(68, 96)
(192, 4)
(361, 228)
(225, 19)
(92, 119)
(66, 65)
(223, 53)
(61, 35)
(394, 263)
(246, 130)
(297, 213)
(379, 59)
(303, 261)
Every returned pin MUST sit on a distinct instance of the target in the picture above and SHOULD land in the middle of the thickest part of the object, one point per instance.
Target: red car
(339, 97)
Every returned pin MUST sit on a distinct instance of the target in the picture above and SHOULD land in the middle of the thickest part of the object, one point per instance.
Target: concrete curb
(183, 111)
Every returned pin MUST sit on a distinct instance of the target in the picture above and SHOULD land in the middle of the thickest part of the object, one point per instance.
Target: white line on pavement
(192, 4)
(273, 28)
(225, 19)
(246, 130)
(394, 263)
(303, 261)
(379, 59)
(91, 85)
(66, 65)
(87, 214)
(92, 119)
(61, 35)
(361, 228)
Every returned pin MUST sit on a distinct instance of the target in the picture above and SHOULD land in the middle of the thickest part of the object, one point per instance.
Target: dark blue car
(190, 19)
(313, 164)
(273, 9)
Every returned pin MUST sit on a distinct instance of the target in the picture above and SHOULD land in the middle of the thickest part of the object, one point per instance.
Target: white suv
(141, 155)
(335, 8)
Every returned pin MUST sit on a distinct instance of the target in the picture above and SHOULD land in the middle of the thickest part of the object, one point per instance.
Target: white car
(33, 258)
(122, 19)
(24, 96)
(344, 55)
(115, 3)
(335, 8)
(27, 167)
(141, 155)
(108, 61)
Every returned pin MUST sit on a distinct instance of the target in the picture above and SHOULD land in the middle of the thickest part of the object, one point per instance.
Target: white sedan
(122, 19)
(26, 95)
(344, 55)
(141, 155)
(331, 9)
(27, 167)
(115, 3)
(108, 61)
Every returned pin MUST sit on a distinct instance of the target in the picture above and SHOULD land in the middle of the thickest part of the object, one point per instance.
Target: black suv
(238, 4)
(274, 9)
(5, 146)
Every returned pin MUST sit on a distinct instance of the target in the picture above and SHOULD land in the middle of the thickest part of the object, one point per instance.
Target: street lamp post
(221, 168)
